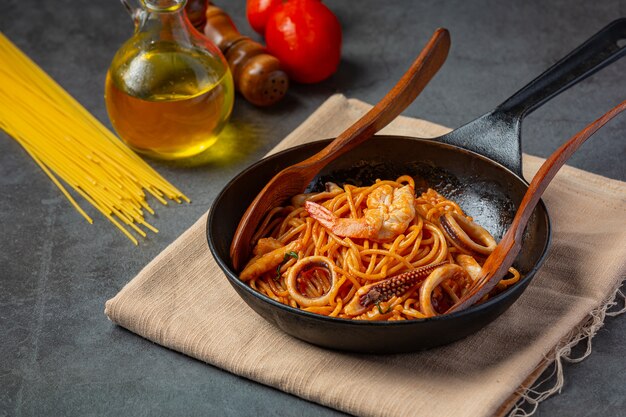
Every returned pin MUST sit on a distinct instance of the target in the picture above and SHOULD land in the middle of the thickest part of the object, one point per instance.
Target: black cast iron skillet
(478, 165)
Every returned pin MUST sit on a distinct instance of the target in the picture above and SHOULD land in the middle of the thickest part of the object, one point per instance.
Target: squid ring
(466, 235)
(304, 265)
(434, 279)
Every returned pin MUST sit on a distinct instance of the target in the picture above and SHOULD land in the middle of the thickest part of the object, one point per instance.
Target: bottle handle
(138, 13)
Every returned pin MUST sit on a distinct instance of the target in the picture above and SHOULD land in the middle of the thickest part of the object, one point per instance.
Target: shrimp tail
(321, 214)
(358, 228)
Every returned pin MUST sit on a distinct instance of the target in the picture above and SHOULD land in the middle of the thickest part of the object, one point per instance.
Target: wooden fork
(295, 178)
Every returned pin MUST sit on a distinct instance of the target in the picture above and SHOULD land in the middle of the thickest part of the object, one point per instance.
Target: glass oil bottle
(169, 91)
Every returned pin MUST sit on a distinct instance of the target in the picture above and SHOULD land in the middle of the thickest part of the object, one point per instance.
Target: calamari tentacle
(384, 290)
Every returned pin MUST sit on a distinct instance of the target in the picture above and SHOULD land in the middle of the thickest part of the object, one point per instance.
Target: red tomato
(305, 36)
(258, 11)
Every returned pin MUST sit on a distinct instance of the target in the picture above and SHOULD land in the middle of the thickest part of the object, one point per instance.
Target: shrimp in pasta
(389, 212)
(376, 252)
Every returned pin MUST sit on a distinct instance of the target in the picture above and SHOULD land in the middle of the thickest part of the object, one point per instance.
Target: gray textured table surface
(60, 356)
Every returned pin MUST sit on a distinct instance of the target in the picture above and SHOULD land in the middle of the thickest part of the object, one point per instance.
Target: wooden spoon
(501, 259)
(295, 178)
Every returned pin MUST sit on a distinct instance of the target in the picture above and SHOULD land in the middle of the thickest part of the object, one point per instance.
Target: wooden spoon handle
(498, 263)
(551, 166)
(395, 102)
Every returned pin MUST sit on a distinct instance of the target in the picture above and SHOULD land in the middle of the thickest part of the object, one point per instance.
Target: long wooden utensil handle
(552, 165)
(395, 102)
(498, 263)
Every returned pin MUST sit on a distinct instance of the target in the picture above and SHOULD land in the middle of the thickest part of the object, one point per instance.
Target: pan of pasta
(370, 256)
(389, 236)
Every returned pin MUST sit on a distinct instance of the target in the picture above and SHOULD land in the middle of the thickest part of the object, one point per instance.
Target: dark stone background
(60, 356)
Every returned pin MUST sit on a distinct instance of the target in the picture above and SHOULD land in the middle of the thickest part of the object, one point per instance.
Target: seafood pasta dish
(378, 252)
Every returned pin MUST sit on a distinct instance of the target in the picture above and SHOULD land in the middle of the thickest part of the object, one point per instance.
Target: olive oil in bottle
(168, 91)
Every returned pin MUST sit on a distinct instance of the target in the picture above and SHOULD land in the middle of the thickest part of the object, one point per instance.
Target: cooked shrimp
(389, 212)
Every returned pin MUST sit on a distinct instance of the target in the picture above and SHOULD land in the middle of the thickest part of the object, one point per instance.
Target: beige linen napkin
(182, 300)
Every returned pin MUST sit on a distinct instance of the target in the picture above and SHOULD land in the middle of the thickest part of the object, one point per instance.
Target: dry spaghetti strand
(69, 144)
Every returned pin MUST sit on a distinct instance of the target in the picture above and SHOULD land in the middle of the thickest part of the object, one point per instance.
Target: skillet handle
(600, 50)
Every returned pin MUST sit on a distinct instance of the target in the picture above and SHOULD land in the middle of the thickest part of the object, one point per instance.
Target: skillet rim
(233, 278)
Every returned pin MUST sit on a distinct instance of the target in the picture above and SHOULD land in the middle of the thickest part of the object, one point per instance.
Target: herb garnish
(380, 310)
(289, 254)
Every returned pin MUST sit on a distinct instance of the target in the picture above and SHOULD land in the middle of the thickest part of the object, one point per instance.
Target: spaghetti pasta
(376, 252)
(69, 144)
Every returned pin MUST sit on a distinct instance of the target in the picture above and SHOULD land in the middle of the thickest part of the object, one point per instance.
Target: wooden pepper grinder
(257, 74)
(196, 12)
